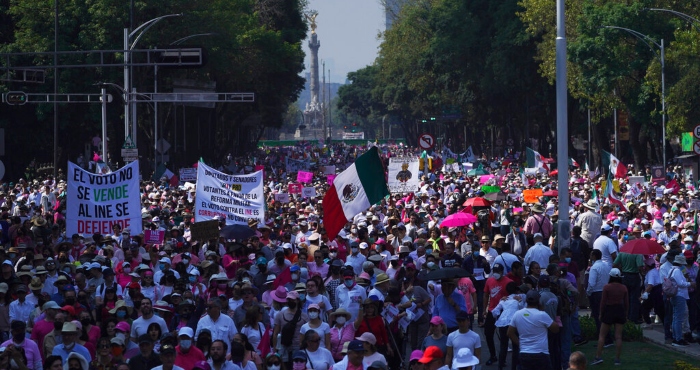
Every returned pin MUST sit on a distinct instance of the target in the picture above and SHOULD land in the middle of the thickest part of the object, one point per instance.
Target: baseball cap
(367, 337)
(356, 345)
(186, 331)
(431, 354)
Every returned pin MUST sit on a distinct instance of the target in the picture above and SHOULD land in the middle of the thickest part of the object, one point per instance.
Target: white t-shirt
(322, 359)
(607, 247)
(318, 299)
(254, 335)
(140, 326)
(321, 331)
(652, 277)
(469, 340)
(532, 325)
(368, 360)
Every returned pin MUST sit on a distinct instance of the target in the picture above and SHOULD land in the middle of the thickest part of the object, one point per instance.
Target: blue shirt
(446, 311)
(59, 350)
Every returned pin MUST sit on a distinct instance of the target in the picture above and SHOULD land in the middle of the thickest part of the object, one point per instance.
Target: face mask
(57, 326)
(333, 254)
(302, 296)
(13, 255)
(85, 322)
(428, 250)
(349, 283)
(127, 270)
(192, 279)
(117, 351)
(295, 276)
(341, 320)
(70, 301)
(221, 286)
(299, 366)
(476, 253)
(496, 275)
(186, 262)
(354, 250)
(273, 367)
(313, 315)
(161, 267)
(121, 314)
(186, 316)
(567, 259)
(431, 265)
(687, 246)
(186, 343)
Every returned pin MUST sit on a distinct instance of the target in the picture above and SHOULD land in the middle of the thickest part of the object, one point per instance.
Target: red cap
(431, 354)
(133, 285)
(69, 309)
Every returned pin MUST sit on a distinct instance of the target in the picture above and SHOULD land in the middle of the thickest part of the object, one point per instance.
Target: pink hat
(280, 295)
(367, 337)
(314, 306)
(416, 355)
(437, 320)
(123, 326)
(365, 276)
(293, 295)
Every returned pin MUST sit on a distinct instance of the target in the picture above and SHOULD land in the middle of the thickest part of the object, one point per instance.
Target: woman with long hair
(249, 354)
(156, 333)
(148, 286)
(253, 328)
(438, 335)
(614, 305)
(92, 331)
(369, 342)
(83, 339)
(109, 302)
(316, 324)
(273, 361)
(317, 357)
(533, 275)
(103, 358)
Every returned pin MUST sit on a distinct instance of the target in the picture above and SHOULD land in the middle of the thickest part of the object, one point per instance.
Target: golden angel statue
(311, 17)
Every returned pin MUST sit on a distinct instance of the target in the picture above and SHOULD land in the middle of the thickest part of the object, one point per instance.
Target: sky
(347, 30)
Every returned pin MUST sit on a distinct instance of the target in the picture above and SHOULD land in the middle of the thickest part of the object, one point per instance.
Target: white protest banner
(282, 197)
(467, 166)
(694, 205)
(329, 170)
(308, 192)
(456, 167)
(295, 165)
(403, 175)
(188, 174)
(660, 192)
(236, 198)
(634, 180)
(96, 202)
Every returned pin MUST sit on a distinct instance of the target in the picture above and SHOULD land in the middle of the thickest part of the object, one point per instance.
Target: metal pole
(563, 230)
(55, 90)
(663, 100)
(155, 113)
(104, 123)
(330, 116)
(126, 84)
(134, 125)
(589, 137)
(615, 126)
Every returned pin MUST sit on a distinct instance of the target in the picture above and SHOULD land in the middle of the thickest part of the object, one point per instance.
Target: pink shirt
(31, 350)
(339, 337)
(40, 330)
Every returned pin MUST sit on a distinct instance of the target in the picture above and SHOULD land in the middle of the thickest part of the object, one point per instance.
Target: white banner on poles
(235, 198)
(96, 202)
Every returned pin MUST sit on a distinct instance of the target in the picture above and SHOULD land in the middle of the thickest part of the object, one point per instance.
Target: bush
(682, 365)
(630, 332)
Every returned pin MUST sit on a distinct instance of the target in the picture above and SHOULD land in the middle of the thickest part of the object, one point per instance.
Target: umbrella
(238, 232)
(477, 202)
(447, 273)
(551, 193)
(458, 219)
(496, 196)
(642, 246)
(477, 172)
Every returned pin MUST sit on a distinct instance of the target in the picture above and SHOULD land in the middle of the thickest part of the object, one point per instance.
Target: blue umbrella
(238, 232)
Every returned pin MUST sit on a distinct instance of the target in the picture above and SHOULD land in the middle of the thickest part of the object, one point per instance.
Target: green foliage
(630, 332)
(682, 365)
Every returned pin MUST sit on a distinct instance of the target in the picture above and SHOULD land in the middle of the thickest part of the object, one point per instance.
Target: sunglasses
(273, 363)
(298, 360)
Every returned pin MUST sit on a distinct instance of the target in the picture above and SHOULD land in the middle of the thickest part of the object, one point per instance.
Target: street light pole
(643, 38)
(139, 31)
(563, 224)
(104, 122)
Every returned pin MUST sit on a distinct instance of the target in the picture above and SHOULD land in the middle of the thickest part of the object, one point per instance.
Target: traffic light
(16, 98)
(432, 118)
(424, 121)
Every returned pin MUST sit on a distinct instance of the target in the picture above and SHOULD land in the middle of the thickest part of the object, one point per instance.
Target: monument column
(314, 44)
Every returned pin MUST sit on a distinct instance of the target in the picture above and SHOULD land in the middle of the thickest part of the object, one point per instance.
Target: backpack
(669, 287)
(289, 329)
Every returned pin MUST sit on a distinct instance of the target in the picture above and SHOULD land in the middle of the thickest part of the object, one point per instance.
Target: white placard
(236, 198)
(694, 205)
(329, 170)
(403, 175)
(188, 174)
(282, 197)
(308, 192)
(634, 180)
(96, 202)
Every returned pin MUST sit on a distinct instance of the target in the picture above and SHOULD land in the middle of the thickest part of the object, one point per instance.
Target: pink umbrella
(458, 219)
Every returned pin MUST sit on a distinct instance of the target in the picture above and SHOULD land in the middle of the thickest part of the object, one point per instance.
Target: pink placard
(485, 178)
(517, 210)
(154, 236)
(304, 177)
(330, 179)
(295, 188)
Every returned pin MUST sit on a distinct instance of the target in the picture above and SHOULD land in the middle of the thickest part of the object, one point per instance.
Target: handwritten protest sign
(188, 174)
(403, 174)
(96, 202)
(530, 195)
(236, 198)
(694, 205)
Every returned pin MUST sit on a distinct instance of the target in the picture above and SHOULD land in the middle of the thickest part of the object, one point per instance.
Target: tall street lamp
(643, 38)
(128, 45)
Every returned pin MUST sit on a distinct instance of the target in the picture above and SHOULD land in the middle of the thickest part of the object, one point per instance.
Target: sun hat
(464, 358)
(69, 327)
(340, 311)
(280, 295)
(381, 278)
(680, 259)
(356, 346)
(293, 294)
(185, 331)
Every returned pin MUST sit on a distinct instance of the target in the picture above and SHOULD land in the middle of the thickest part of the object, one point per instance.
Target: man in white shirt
(606, 245)
(528, 329)
(221, 326)
(355, 259)
(140, 325)
(538, 253)
(349, 295)
(590, 222)
(462, 338)
(598, 276)
(21, 308)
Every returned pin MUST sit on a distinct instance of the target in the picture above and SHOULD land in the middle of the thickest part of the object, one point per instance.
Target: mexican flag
(613, 199)
(617, 169)
(573, 163)
(353, 191)
(534, 160)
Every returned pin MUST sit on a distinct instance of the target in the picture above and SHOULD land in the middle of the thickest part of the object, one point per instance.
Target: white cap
(186, 331)
(364, 245)
(165, 260)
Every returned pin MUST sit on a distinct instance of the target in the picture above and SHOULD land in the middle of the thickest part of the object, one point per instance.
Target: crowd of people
(291, 297)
